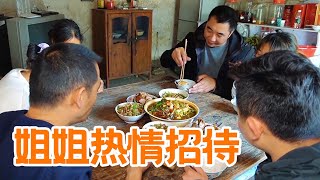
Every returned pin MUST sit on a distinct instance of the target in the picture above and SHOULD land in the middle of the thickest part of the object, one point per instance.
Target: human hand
(194, 173)
(205, 83)
(135, 173)
(180, 56)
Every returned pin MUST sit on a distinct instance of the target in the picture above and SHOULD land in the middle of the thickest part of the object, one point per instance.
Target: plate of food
(157, 125)
(141, 97)
(179, 112)
(130, 112)
(173, 93)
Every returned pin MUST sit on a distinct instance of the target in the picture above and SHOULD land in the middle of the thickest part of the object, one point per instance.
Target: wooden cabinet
(124, 39)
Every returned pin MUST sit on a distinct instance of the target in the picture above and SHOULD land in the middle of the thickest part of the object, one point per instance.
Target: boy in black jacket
(278, 96)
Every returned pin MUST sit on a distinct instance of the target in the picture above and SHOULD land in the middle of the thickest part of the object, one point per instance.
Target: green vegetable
(254, 40)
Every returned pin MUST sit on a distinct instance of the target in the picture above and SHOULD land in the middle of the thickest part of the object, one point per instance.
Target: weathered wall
(80, 11)
(163, 17)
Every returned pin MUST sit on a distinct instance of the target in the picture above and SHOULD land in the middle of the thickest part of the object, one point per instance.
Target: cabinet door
(141, 48)
(119, 45)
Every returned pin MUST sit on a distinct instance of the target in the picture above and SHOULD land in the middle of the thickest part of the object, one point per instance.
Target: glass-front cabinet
(141, 48)
(124, 39)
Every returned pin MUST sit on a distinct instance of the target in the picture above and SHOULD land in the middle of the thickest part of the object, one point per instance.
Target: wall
(163, 17)
(80, 11)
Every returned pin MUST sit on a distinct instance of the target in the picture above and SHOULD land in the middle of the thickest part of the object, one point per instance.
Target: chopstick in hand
(183, 64)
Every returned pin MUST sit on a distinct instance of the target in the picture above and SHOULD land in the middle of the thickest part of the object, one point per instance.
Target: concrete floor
(157, 71)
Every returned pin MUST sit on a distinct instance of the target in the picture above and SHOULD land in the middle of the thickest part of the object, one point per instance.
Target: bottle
(297, 21)
(109, 4)
(100, 4)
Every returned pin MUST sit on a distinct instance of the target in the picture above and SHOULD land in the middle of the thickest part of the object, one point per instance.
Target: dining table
(213, 108)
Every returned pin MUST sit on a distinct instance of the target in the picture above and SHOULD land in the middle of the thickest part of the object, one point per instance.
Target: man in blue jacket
(63, 88)
(211, 50)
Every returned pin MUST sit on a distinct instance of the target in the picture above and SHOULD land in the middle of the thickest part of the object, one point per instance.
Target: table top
(212, 108)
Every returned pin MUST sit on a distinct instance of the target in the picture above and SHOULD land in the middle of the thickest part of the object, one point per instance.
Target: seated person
(65, 30)
(14, 86)
(211, 49)
(63, 88)
(277, 41)
(272, 42)
(279, 103)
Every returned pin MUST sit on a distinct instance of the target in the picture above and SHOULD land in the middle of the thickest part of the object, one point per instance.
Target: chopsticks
(183, 65)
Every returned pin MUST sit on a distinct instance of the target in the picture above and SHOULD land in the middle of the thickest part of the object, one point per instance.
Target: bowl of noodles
(184, 84)
(130, 112)
(179, 112)
(173, 93)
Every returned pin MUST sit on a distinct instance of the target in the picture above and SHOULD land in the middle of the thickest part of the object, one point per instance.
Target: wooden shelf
(277, 27)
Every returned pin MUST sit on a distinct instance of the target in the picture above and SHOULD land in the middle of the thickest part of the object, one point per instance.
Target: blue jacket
(238, 50)
(8, 121)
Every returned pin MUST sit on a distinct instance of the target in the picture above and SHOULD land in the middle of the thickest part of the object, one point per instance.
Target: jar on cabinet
(234, 4)
(245, 11)
(275, 13)
(260, 13)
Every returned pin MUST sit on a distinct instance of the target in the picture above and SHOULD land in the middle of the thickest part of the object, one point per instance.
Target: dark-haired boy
(278, 97)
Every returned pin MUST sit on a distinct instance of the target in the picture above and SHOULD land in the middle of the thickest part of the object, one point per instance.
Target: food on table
(161, 126)
(143, 97)
(172, 109)
(173, 95)
(131, 109)
(200, 123)
(182, 83)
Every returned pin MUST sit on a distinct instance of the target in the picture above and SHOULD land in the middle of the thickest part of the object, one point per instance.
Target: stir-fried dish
(131, 109)
(172, 109)
(173, 95)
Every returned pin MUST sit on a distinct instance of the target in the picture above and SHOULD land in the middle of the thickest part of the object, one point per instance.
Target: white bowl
(176, 91)
(316, 28)
(116, 35)
(215, 170)
(152, 123)
(186, 85)
(178, 123)
(139, 32)
(211, 171)
(128, 119)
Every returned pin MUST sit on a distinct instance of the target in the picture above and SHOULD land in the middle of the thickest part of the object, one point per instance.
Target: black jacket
(302, 164)
(238, 50)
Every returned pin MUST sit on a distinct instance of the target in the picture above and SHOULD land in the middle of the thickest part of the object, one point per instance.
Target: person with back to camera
(278, 97)
(211, 49)
(64, 84)
(14, 86)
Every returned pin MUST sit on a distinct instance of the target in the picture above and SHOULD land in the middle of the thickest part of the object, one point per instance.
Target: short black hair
(64, 30)
(282, 88)
(60, 69)
(280, 41)
(225, 14)
(32, 54)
